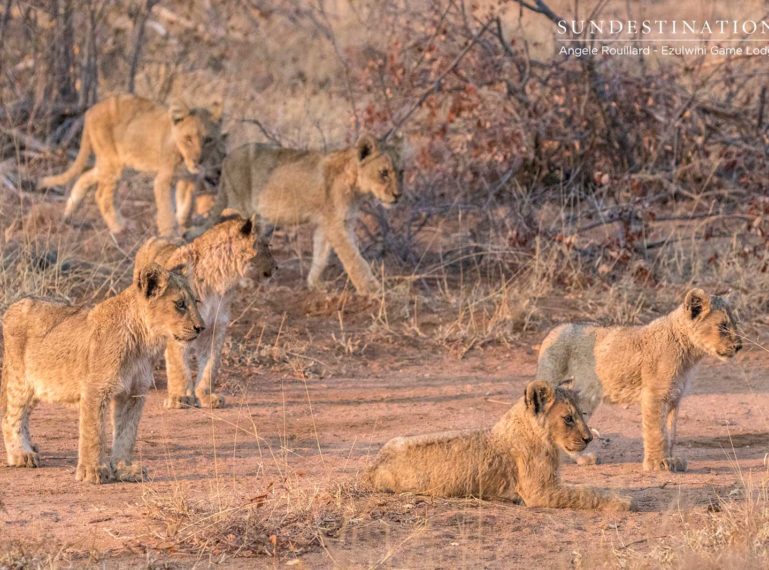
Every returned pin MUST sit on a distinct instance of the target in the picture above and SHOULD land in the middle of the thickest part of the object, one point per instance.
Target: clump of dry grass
(281, 524)
(23, 555)
(733, 533)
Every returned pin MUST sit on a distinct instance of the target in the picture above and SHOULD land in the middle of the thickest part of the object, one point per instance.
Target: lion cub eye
(568, 420)
(723, 327)
(384, 174)
(188, 139)
(181, 305)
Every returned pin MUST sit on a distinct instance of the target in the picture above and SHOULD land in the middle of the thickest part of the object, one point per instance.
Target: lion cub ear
(152, 280)
(250, 226)
(366, 146)
(178, 111)
(216, 109)
(696, 303)
(539, 395)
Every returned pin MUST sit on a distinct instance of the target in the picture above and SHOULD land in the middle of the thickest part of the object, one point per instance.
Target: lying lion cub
(290, 187)
(516, 459)
(125, 131)
(59, 353)
(215, 262)
(650, 364)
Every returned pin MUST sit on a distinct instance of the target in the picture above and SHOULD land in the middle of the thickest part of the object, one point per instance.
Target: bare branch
(540, 8)
(437, 83)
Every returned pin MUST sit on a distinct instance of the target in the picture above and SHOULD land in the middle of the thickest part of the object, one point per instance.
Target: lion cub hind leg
(105, 197)
(79, 191)
(19, 449)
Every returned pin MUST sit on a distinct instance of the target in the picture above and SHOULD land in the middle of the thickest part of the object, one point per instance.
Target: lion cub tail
(75, 168)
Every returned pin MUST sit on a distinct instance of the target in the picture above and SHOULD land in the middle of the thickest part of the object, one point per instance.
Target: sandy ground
(280, 434)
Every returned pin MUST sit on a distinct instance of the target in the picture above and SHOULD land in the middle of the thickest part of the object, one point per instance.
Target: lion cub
(516, 459)
(215, 263)
(291, 187)
(651, 364)
(92, 356)
(125, 131)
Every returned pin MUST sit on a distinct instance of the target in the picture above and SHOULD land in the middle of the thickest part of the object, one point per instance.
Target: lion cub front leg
(583, 458)
(568, 497)
(185, 190)
(126, 413)
(657, 453)
(209, 360)
(164, 200)
(180, 385)
(91, 466)
(342, 241)
(549, 492)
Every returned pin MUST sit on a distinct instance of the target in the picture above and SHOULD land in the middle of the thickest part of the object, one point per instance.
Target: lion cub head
(711, 325)
(556, 409)
(195, 132)
(167, 305)
(251, 251)
(379, 172)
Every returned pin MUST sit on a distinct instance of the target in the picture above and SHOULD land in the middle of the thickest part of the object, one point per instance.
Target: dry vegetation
(538, 188)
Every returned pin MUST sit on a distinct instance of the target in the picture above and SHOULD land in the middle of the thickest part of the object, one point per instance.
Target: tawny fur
(215, 263)
(92, 357)
(288, 187)
(125, 131)
(517, 459)
(650, 364)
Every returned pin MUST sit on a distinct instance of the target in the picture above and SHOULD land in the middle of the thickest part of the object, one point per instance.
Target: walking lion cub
(651, 364)
(93, 357)
(291, 187)
(215, 262)
(517, 459)
(128, 131)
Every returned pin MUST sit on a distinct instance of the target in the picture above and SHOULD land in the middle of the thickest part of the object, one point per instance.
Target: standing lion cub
(125, 131)
(92, 357)
(215, 262)
(290, 187)
(516, 459)
(651, 364)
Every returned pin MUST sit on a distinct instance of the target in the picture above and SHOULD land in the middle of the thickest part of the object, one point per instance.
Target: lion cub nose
(587, 438)
(199, 328)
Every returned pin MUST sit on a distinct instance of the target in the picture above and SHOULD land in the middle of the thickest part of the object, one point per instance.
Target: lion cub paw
(24, 459)
(211, 400)
(675, 464)
(96, 474)
(619, 504)
(176, 402)
(129, 472)
(586, 459)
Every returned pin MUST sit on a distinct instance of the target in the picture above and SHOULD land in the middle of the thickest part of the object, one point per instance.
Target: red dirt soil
(311, 434)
